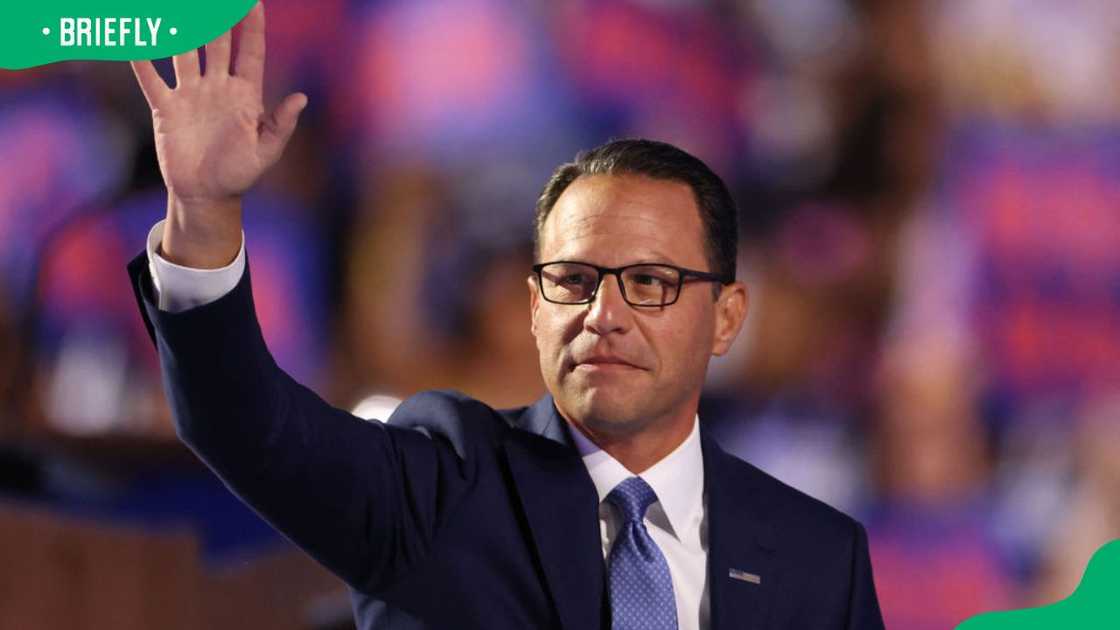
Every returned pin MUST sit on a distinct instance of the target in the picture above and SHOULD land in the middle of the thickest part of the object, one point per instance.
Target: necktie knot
(632, 498)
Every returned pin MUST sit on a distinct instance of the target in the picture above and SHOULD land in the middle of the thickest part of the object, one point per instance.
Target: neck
(640, 450)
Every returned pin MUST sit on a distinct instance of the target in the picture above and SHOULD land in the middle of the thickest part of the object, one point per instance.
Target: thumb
(278, 126)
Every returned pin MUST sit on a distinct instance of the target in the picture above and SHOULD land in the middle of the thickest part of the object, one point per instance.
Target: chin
(607, 412)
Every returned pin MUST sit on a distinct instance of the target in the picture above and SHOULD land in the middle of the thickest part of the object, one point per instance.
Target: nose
(608, 312)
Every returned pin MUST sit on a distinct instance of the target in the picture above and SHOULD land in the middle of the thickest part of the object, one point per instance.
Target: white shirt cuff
(180, 288)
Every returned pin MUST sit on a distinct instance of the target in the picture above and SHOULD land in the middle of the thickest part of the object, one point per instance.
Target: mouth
(604, 365)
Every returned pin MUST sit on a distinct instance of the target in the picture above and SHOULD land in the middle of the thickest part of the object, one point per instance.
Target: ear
(534, 303)
(731, 312)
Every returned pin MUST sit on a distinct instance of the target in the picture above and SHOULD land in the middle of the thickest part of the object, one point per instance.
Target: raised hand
(214, 140)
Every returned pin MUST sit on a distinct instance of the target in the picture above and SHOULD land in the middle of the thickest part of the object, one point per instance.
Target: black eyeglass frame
(683, 275)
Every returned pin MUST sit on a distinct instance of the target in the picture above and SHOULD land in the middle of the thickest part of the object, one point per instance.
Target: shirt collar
(678, 479)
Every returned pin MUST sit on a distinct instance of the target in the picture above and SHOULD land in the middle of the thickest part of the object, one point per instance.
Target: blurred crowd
(931, 240)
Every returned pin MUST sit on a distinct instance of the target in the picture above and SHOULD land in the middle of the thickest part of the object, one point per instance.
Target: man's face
(611, 367)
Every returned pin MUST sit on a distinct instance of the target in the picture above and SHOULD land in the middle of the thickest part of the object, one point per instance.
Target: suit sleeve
(361, 497)
(863, 609)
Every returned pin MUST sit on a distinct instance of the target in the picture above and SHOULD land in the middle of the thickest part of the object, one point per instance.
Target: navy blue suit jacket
(456, 515)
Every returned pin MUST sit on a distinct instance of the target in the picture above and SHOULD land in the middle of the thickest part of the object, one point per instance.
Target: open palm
(213, 137)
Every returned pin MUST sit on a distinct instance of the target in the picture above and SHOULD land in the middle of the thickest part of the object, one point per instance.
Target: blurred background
(930, 196)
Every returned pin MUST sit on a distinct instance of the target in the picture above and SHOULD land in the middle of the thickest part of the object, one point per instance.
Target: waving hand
(214, 139)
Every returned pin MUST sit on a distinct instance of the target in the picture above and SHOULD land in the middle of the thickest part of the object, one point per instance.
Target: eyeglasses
(643, 284)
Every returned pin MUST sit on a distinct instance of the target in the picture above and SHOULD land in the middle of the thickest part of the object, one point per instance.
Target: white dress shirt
(676, 521)
(179, 288)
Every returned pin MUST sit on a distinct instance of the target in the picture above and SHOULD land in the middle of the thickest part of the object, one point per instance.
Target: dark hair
(658, 160)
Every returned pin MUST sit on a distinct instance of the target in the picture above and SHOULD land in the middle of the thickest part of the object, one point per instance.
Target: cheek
(552, 333)
(682, 344)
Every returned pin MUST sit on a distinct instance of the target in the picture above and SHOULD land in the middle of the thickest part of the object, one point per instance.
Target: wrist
(202, 234)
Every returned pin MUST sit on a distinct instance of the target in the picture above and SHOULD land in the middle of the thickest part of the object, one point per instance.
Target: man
(601, 505)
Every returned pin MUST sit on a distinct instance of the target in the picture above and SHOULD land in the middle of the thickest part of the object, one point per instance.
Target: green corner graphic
(1094, 604)
(38, 33)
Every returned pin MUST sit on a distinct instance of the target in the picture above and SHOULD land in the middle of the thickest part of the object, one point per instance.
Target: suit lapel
(741, 565)
(561, 507)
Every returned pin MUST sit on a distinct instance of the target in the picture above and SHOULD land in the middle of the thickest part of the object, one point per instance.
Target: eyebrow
(652, 258)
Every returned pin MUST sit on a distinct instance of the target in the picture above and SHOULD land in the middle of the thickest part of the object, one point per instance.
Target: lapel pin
(743, 576)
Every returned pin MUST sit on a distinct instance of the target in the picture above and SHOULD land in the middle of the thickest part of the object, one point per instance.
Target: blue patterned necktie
(640, 587)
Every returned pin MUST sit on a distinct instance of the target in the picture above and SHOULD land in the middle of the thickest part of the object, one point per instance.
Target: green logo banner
(46, 31)
(1093, 605)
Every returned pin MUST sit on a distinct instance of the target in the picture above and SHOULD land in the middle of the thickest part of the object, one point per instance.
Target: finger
(186, 67)
(250, 47)
(217, 56)
(151, 84)
(279, 126)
